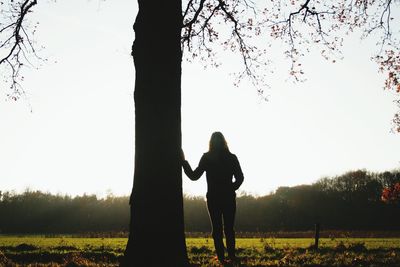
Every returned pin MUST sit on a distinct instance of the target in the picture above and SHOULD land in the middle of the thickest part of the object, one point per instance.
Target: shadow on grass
(350, 255)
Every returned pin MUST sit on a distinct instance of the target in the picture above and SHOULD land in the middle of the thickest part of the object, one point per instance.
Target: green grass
(69, 251)
(47, 243)
(257, 243)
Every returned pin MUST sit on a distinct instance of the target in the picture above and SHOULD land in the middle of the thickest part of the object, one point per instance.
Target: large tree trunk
(157, 235)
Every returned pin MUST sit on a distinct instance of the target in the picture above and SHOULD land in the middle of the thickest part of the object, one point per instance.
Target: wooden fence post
(316, 235)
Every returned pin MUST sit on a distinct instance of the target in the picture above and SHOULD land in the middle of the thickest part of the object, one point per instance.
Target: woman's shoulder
(231, 155)
(206, 154)
(205, 157)
(225, 155)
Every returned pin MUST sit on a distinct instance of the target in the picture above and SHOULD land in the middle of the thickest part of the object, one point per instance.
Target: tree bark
(157, 235)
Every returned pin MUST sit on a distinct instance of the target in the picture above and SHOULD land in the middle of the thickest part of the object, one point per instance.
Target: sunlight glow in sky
(79, 136)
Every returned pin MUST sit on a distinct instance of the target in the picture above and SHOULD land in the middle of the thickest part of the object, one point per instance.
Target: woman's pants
(222, 211)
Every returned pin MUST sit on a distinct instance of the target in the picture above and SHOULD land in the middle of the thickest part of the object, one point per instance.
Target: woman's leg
(215, 212)
(228, 213)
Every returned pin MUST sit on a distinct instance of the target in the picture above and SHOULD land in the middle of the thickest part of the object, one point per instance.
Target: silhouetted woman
(220, 166)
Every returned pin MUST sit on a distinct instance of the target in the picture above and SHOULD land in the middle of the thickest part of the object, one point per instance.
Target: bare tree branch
(203, 27)
(16, 41)
(302, 25)
(189, 24)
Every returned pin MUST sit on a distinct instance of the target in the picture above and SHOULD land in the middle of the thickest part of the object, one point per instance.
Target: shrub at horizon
(356, 200)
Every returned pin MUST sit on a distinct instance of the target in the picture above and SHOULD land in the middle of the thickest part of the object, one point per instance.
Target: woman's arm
(238, 174)
(196, 174)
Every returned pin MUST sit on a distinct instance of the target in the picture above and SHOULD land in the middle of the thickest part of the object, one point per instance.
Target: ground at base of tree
(39, 251)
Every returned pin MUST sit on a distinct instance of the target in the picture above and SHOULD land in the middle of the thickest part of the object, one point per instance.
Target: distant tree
(295, 208)
(162, 30)
(389, 179)
(353, 186)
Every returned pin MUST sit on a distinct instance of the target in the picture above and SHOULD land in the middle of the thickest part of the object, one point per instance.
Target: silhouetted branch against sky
(209, 25)
(302, 25)
(246, 28)
(329, 22)
(16, 43)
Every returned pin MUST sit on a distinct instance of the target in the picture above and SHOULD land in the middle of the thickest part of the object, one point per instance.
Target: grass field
(68, 251)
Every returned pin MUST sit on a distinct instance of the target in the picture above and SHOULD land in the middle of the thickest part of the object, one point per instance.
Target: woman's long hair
(218, 143)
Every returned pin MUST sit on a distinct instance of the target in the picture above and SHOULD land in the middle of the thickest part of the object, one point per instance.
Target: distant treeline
(351, 201)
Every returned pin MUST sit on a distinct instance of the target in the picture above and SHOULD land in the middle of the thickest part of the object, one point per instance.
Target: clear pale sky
(79, 137)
